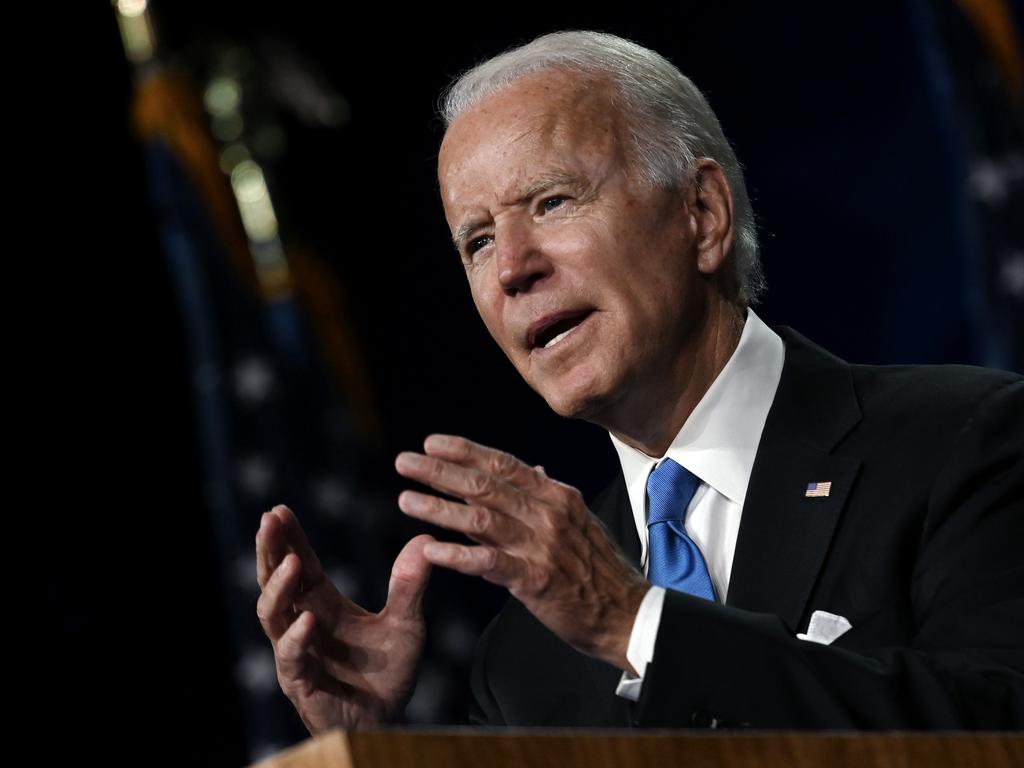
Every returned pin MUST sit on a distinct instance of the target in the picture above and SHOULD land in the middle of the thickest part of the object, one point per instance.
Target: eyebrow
(538, 186)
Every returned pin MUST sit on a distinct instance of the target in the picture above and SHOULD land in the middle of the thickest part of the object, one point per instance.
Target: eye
(477, 243)
(550, 203)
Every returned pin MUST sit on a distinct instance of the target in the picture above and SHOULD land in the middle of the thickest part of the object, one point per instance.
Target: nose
(522, 261)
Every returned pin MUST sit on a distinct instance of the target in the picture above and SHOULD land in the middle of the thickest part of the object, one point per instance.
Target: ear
(712, 211)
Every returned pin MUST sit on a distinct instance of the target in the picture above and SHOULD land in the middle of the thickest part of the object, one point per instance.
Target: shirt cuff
(640, 650)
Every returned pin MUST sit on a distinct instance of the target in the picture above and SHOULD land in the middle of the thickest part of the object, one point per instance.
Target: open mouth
(556, 329)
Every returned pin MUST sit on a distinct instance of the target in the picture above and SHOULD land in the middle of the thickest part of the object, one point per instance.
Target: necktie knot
(674, 560)
(670, 488)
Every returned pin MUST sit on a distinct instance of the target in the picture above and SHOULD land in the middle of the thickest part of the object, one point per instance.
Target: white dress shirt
(717, 443)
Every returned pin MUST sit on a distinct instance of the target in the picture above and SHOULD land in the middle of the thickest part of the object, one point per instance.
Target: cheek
(489, 307)
(651, 306)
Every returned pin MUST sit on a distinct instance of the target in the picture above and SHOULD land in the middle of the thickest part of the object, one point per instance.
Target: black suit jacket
(920, 545)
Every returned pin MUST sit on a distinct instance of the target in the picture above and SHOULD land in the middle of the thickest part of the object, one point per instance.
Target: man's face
(584, 276)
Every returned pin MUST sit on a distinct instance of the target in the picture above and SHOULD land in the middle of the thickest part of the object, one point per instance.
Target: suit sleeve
(964, 668)
(483, 706)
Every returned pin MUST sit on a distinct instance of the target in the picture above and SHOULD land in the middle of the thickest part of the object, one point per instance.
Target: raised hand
(339, 664)
(534, 536)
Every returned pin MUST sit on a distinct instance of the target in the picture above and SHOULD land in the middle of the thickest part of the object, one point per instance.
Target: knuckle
(540, 581)
(502, 463)
(537, 581)
(479, 520)
(435, 506)
(267, 603)
(285, 655)
(523, 503)
(435, 470)
(291, 682)
(288, 650)
(488, 558)
(570, 495)
(262, 610)
(481, 484)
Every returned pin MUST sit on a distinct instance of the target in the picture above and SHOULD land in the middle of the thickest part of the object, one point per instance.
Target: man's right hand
(340, 665)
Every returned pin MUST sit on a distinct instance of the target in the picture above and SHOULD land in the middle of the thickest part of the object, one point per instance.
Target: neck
(654, 413)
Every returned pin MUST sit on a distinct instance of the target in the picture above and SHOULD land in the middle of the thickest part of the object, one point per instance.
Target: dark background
(860, 127)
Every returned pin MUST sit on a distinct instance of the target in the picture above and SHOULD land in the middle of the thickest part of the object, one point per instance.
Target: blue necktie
(673, 560)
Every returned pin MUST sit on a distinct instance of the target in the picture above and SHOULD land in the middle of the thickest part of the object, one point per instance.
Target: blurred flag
(983, 40)
(282, 400)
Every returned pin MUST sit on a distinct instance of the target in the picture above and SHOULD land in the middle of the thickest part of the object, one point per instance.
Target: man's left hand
(534, 536)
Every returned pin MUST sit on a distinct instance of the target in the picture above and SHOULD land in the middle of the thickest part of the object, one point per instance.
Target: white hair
(671, 123)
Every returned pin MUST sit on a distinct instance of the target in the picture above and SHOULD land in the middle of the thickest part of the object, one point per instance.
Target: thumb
(409, 577)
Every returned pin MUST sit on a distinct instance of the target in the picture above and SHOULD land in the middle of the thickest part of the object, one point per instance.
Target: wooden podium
(479, 748)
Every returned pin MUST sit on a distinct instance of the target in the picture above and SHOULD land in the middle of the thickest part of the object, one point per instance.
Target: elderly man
(792, 542)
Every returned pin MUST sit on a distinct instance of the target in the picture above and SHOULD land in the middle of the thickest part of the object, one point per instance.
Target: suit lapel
(784, 535)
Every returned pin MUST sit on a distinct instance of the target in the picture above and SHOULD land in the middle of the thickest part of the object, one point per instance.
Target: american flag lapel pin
(818, 490)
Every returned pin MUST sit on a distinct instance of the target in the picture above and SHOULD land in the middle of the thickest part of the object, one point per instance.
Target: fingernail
(431, 549)
(407, 460)
(437, 442)
(404, 501)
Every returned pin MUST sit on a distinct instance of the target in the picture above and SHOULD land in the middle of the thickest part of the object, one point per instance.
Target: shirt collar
(719, 440)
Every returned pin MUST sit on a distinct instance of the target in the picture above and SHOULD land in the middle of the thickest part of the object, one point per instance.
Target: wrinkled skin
(340, 665)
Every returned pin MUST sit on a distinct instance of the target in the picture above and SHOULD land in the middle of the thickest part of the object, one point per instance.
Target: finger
(271, 547)
(293, 651)
(481, 524)
(409, 577)
(274, 606)
(489, 563)
(312, 570)
(490, 460)
(466, 483)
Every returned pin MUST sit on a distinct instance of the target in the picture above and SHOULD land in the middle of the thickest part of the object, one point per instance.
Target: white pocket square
(825, 627)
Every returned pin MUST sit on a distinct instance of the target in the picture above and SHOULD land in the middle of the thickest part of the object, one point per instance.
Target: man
(830, 546)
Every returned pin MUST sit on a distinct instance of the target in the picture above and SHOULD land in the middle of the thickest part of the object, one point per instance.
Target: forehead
(551, 122)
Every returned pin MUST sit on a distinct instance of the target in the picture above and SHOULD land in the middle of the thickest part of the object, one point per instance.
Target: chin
(576, 403)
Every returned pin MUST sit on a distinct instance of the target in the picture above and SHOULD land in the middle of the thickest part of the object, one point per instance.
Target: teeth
(559, 337)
